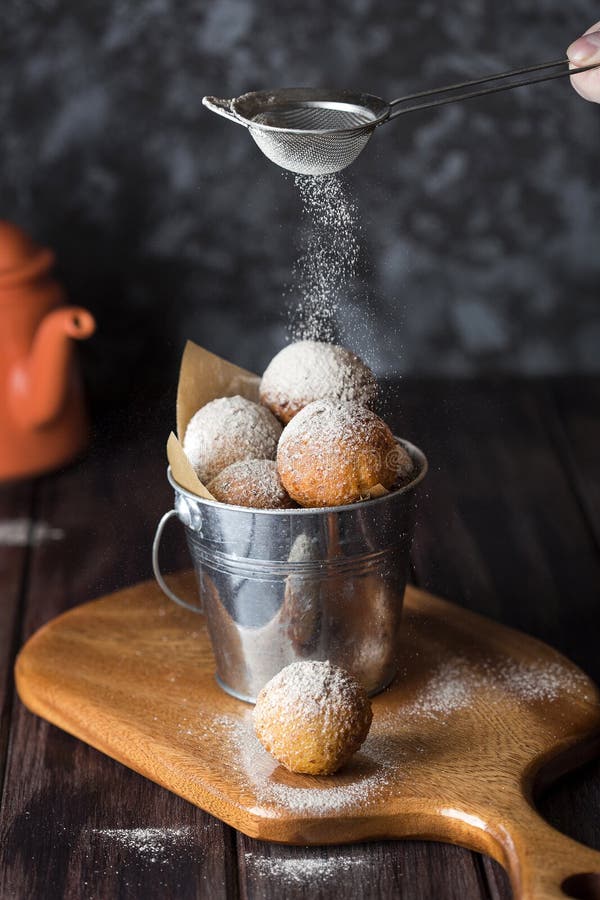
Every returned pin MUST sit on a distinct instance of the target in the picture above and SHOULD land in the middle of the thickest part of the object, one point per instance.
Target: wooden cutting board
(456, 747)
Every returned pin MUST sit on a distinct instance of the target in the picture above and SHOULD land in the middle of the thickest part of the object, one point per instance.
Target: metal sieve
(316, 131)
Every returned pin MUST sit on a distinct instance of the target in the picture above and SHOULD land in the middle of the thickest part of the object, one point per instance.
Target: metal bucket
(278, 586)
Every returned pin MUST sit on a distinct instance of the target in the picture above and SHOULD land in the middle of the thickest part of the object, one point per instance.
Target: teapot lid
(21, 259)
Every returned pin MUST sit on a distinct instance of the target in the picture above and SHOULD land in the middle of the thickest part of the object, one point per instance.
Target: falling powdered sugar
(327, 264)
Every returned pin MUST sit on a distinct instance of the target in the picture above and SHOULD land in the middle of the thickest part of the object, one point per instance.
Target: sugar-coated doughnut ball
(312, 717)
(333, 453)
(251, 482)
(313, 370)
(227, 430)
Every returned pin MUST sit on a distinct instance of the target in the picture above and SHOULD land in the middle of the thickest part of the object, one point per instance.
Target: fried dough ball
(312, 717)
(227, 430)
(313, 370)
(251, 482)
(333, 453)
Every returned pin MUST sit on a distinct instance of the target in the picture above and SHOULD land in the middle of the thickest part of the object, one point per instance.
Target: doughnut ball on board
(251, 482)
(227, 430)
(312, 717)
(333, 453)
(313, 370)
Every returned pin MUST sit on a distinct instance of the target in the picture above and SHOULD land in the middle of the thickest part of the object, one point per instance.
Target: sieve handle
(430, 97)
(156, 565)
(222, 108)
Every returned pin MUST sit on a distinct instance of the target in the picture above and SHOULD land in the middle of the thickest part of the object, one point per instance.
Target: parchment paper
(203, 377)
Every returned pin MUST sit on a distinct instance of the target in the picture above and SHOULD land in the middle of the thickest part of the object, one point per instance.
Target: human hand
(582, 52)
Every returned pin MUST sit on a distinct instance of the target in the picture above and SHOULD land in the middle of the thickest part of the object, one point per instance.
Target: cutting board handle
(544, 864)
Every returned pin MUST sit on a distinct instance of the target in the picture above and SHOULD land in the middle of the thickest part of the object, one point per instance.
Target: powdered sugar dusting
(227, 430)
(153, 844)
(368, 782)
(329, 258)
(304, 689)
(313, 370)
(326, 423)
(454, 685)
(333, 453)
(360, 782)
(25, 532)
(539, 681)
(253, 482)
(300, 868)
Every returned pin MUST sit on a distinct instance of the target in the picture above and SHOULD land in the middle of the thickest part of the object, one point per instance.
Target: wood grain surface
(453, 753)
(526, 555)
(76, 824)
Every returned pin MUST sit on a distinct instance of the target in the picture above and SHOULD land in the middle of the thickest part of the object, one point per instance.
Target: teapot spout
(40, 383)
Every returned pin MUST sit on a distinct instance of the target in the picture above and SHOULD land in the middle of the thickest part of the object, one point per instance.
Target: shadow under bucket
(279, 586)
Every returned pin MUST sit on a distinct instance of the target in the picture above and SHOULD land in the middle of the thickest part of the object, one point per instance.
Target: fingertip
(585, 48)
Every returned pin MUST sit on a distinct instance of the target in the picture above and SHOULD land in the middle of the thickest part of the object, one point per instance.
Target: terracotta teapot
(42, 413)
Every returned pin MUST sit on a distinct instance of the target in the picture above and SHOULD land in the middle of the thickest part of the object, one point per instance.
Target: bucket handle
(156, 565)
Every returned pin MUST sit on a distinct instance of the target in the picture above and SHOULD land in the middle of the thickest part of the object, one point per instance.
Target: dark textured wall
(480, 222)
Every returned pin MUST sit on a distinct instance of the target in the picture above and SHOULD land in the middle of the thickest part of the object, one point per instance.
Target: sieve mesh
(314, 116)
(310, 153)
(318, 139)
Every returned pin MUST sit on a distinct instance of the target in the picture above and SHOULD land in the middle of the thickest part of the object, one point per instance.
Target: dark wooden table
(509, 526)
